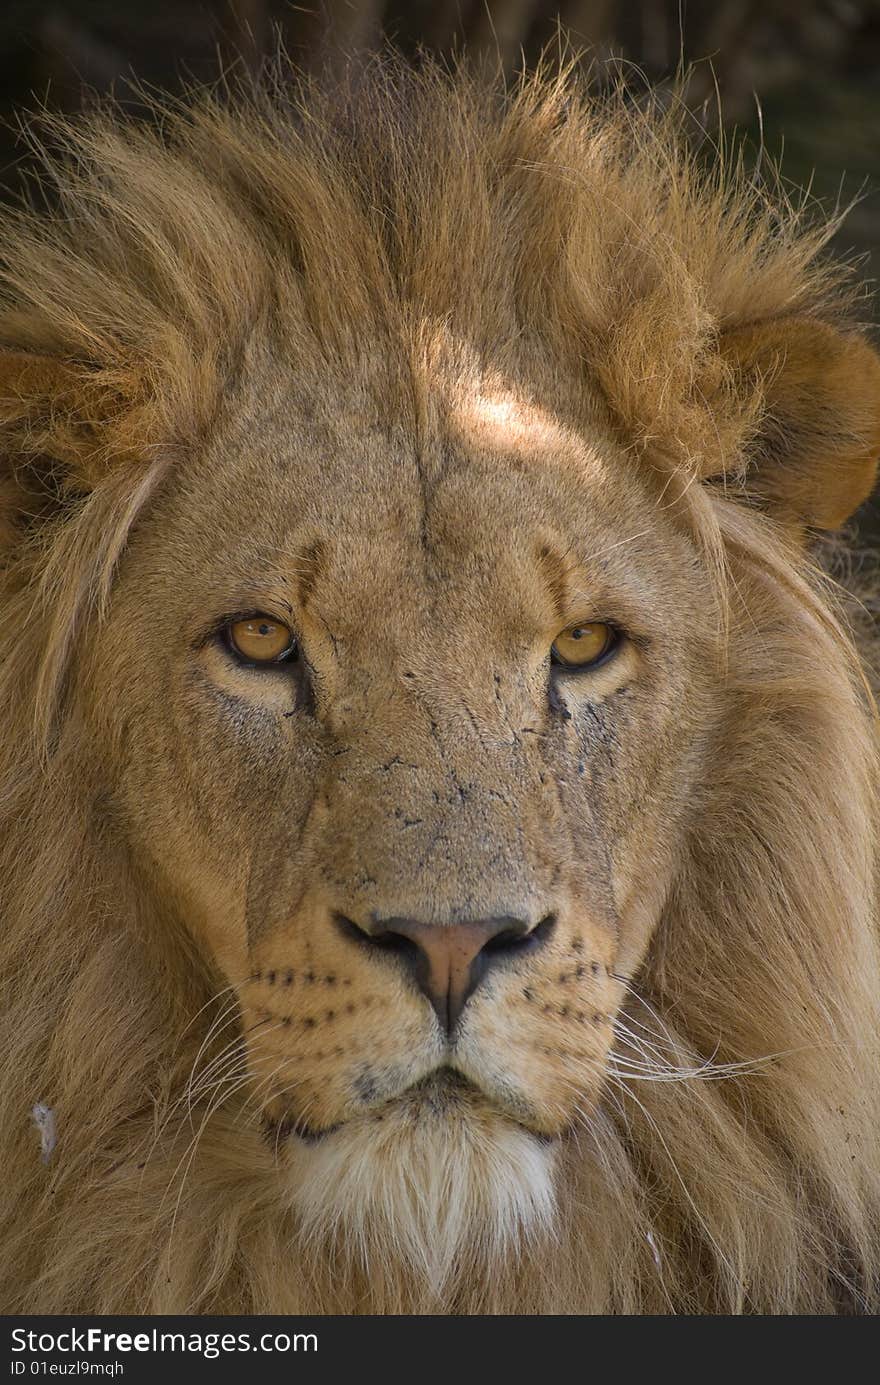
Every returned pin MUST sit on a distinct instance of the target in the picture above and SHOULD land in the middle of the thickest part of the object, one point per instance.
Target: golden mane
(745, 1176)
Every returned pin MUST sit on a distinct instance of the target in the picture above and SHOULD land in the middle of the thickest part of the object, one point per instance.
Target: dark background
(805, 74)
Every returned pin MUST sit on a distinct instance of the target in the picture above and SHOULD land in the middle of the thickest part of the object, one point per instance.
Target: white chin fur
(424, 1191)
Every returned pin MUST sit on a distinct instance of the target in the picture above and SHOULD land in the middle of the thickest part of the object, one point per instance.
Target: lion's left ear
(63, 425)
(813, 457)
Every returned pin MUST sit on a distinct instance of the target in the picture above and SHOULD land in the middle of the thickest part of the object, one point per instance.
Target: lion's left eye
(260, 639)
(584, 645)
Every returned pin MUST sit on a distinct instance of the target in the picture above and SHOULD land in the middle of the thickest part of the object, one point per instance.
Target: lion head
(439, 842)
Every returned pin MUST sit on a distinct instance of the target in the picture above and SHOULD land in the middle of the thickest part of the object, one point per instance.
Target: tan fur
(431, 374)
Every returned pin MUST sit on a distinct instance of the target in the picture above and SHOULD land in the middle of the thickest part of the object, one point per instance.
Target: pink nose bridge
(448, 961)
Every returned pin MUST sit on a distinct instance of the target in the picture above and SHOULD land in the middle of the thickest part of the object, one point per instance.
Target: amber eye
(260, 640)
(582, 646)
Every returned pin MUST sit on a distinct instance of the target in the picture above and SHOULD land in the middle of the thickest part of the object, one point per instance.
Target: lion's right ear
(813, 457)
(59, 424)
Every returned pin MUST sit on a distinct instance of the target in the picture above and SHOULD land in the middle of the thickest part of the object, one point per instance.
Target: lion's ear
(813, 457)
(59, 422)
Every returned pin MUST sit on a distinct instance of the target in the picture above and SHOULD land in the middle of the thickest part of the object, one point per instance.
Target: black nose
(448, 961)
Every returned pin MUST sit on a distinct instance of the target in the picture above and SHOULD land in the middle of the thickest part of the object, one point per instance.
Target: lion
(439, 814)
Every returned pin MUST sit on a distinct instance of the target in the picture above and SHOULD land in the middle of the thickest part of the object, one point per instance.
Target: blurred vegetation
(801, 76)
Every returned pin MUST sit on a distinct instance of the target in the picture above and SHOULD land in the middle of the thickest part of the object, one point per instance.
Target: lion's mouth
(437, 1095)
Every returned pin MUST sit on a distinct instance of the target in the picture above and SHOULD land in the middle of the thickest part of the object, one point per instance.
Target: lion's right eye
(584, 645)
(260, 639)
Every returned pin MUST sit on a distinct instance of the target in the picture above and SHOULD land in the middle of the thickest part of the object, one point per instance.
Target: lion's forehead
(461, 511)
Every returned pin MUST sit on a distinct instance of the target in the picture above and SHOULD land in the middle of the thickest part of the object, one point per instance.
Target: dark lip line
(284, 1129)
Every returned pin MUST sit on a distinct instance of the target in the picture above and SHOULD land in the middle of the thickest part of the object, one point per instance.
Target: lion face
(423, 851)
(434, 759)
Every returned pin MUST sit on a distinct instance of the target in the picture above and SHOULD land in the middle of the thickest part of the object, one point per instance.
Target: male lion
(439, 822)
